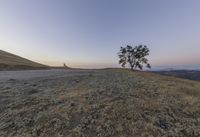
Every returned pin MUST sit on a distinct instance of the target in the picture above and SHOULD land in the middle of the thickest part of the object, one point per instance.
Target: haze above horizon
(89, 33)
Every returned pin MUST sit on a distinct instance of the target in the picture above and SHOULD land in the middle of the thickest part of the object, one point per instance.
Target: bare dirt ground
(97, 103)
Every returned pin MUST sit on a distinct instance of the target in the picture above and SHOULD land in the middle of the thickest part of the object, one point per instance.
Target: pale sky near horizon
(89, 33)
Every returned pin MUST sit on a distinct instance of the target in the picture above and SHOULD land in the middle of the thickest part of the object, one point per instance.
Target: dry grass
(104, 103)
(9, 61)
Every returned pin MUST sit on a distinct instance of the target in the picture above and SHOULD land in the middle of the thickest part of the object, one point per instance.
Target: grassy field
(99, 103)
(10, 61)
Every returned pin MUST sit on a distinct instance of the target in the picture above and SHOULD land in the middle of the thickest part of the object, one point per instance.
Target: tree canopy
(134, 56)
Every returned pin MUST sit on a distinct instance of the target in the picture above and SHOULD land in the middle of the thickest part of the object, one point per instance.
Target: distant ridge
(186, 74)
(10, 61)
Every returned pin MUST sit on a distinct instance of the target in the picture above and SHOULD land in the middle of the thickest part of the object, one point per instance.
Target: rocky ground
(97, 103)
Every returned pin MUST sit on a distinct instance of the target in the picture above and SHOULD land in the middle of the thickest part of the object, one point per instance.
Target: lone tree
(134, 56)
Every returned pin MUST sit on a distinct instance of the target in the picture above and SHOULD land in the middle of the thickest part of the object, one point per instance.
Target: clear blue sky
(89, 33)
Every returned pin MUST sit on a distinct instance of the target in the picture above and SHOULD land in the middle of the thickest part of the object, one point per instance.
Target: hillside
(10, 61)
(186, 74)
(98, 103)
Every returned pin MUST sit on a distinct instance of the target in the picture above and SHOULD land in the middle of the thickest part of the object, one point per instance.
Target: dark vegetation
(134, 56)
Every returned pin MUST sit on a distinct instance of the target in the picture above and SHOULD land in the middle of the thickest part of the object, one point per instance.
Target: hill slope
(186, 74)
(99, 103)
(10, 61)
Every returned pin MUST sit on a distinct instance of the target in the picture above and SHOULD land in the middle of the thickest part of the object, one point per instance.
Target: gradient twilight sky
(89, 33)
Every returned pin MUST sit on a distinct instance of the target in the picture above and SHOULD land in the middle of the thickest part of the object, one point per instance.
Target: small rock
(11, 80)
(6, 88)
(72, 104)
(77, 81)
(34, 85)
(164, 125)
(32, 91)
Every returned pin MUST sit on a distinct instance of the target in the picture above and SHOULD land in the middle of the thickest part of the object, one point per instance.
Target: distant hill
(10, 61)
(186, 74)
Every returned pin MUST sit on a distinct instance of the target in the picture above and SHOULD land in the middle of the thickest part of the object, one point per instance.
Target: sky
(89, 33)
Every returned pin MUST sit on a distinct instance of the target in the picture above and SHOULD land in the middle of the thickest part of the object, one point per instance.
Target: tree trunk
(132, 64)
(132, 67)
